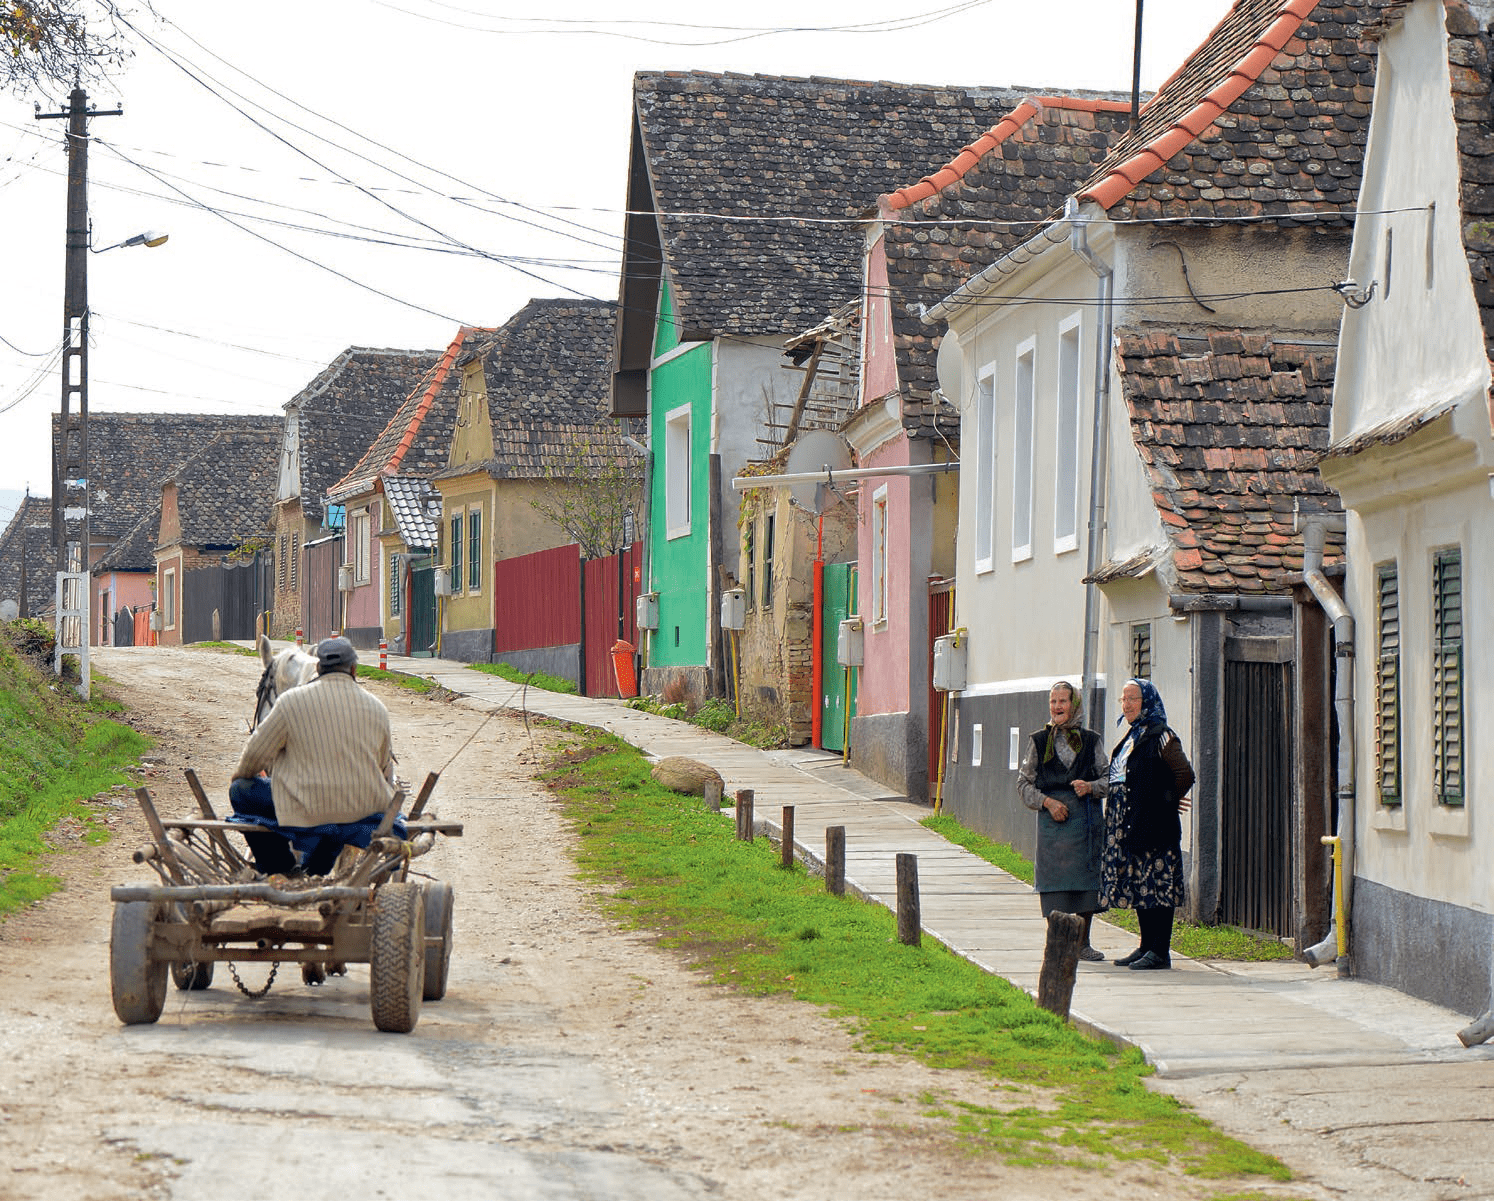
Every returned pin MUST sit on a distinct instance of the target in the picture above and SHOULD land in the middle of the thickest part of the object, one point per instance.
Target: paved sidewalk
(1197, 1018)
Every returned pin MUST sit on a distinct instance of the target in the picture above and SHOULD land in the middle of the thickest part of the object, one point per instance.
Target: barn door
(1256, 861)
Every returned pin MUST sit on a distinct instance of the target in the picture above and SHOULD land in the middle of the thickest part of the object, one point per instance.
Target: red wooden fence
(611, 586)
(537, 600)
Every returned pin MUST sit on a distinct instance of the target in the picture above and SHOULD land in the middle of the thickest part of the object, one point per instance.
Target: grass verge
(664, 864)
(1194, 941)
(535, 679)
(56, 752)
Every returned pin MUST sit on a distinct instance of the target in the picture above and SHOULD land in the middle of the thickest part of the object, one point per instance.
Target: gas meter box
(849, 649)
(733, 609)
(647, 610)
(949, 662)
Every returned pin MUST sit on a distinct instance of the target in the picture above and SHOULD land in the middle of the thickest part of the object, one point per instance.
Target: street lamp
(151, 237)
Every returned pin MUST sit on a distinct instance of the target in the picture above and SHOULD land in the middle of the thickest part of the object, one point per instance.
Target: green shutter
(1388, 688)
(456, 553)
(1447, 676)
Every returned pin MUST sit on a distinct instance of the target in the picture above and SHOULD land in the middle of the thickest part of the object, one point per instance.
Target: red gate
(609, 589)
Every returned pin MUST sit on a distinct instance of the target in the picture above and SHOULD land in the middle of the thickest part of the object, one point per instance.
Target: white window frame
(360, 531)
(168, 598)
(879, 556)
(1024, 412)
(1067, 436)
(475, 589)
(985, 469)
(677, 472)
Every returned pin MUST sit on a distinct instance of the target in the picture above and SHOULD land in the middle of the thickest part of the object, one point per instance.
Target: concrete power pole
(70, 449)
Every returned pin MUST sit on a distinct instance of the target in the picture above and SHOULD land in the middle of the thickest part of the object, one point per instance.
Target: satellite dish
(815, 451)
(949, 362)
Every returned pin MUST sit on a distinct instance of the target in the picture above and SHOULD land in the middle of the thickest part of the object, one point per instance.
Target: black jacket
(1158, 775)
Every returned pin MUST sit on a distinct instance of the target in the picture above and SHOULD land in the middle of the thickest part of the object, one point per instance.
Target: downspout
(1335, 946)
(1099, 458)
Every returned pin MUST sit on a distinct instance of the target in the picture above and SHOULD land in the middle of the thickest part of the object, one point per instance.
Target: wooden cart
(211, 907)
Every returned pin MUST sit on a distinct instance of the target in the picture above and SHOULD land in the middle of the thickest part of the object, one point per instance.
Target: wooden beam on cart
(158, 832)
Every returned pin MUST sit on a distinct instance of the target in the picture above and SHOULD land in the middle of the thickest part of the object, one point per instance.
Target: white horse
(284, 670)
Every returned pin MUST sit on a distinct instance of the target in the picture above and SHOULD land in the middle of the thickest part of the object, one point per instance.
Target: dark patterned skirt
(1136, 880)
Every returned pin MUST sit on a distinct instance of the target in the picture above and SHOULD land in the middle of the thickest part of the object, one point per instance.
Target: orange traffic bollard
(622, 668)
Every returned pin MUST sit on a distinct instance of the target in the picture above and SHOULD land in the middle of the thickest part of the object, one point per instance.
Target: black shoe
(1151, 962)
(1128, 960)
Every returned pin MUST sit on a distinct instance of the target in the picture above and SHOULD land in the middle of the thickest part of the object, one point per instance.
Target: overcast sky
(373, 172)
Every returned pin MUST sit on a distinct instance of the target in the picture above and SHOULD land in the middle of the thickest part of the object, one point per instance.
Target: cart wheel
(313, 973)
(137, 981)
(396, 973)
(191, 977)
(438, 905)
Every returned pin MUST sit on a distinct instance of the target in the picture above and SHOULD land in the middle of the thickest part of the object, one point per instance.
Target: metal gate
(1256, 859)
(235, 592)
(420, 610)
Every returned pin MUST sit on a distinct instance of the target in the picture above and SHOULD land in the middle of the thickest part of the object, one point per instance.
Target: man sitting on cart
(319, 769)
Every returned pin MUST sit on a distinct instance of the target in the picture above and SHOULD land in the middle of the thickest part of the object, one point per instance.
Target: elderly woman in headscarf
(1062, 778)
(1142, 864)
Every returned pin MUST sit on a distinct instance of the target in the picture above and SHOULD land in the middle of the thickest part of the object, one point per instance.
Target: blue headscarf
(1152, 711)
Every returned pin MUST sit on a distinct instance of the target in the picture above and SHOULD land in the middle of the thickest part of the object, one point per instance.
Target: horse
(284, 670)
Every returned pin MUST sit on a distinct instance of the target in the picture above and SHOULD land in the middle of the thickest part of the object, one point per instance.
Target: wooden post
(835, 860)
(1060, 962)
(744, 815)
(909, 920)
(713, 795)
(786, 851)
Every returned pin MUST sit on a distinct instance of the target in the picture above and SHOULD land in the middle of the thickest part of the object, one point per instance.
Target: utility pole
(70, 447)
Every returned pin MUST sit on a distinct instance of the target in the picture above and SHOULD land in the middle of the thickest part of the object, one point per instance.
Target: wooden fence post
(786, 850)
(835, 860)
(744, 815)
(909, 919)
(1060, 962)
(713, 795)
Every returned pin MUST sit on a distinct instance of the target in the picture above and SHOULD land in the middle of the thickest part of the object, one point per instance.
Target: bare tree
(45, 45)
(592, 483)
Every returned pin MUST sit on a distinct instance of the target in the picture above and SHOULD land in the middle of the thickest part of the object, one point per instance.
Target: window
(280, 564)
(1066, 452)
(1447, 676)
(168, 601)
(985, 467)
(474, 550)
(456, 553)
(394, 599)
(749, 557)
(1022, 417)
(1388, 685)
(768, 531)
(1141, 651)
(879, 556)
(677, 472)
(295, 563)
(359, 544)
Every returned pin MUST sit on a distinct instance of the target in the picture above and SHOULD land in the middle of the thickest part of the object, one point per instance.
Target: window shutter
(1388, 688)
(1447, 676)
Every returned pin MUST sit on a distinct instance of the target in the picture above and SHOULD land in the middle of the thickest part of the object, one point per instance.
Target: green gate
(421, 618)
(837, 698)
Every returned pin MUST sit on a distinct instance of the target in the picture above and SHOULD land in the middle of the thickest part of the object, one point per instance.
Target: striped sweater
(326, 747)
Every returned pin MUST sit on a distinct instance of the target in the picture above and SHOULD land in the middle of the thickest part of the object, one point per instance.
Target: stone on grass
(685, 775)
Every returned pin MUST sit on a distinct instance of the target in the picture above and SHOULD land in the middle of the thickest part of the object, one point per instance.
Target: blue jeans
(272, 852)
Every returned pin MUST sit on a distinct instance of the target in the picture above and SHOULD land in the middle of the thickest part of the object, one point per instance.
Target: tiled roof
(416, 508)
(136, 551)
(30, 534)
(1229, 428)
(225, 492)
(130, 451)
(1269, 116)
(417, 439)
(345, 408)
(736, 163)
(548, 373)
(989, 198)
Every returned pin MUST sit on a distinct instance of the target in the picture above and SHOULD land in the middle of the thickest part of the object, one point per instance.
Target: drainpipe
(1105, 274)
(1334, 948)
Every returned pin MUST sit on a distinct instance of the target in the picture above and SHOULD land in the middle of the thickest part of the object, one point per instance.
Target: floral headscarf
(1069, 728)
(1152, 711)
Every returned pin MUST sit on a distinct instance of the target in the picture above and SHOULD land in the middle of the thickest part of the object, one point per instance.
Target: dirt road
(568, 1059)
